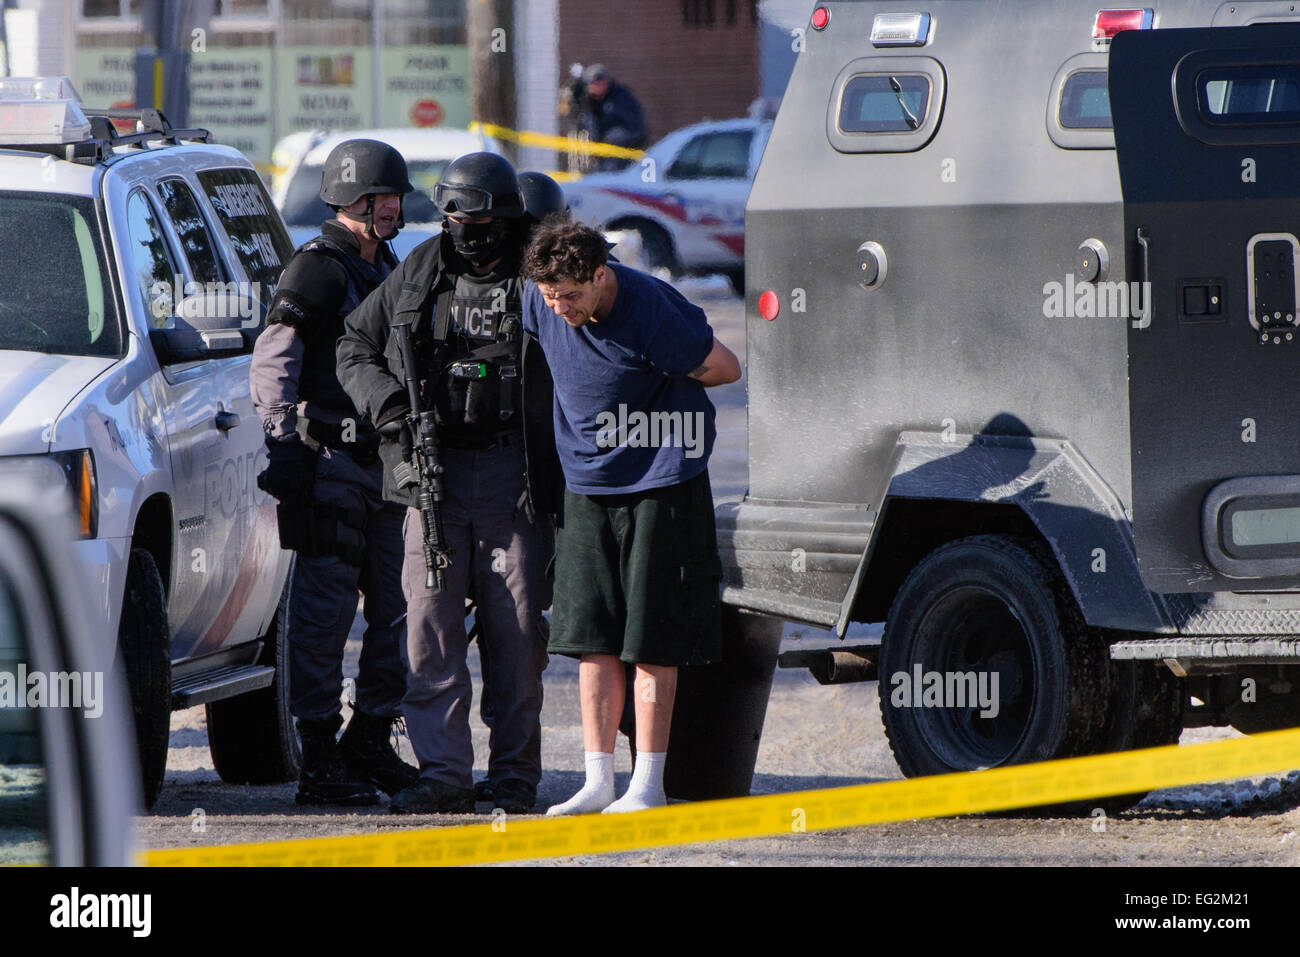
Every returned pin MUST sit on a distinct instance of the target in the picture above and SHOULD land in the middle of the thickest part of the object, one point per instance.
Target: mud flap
(719, 712)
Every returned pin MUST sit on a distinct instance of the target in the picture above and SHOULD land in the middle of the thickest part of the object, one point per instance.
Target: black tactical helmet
(357, 168)
(482, 184)
(542, 195)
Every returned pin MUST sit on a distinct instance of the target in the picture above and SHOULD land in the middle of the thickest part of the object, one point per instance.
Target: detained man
(636, 570)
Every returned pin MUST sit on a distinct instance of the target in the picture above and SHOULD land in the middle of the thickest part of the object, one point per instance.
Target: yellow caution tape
(567, 144)
(998, 789)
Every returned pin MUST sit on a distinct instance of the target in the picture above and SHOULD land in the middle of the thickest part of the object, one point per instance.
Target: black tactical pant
(499, 558)
(323, 602)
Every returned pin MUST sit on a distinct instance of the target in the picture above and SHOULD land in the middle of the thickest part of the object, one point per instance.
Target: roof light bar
(40, 109)
(900, 29)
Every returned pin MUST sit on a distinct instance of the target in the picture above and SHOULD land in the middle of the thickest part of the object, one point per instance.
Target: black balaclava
(479, 243)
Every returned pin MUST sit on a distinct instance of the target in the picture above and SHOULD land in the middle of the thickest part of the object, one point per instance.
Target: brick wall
(681, 72)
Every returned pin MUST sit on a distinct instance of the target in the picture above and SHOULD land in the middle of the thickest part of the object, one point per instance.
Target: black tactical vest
(478, 392)
(319, 381)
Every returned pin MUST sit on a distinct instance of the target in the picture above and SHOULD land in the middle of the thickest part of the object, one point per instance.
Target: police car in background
(135, 277)
(685, 199)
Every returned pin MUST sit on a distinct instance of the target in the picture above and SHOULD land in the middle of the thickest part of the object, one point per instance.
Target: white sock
(597, 793)
(647, 787)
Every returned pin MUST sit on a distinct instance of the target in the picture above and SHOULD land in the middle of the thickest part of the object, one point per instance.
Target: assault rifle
(424, 466)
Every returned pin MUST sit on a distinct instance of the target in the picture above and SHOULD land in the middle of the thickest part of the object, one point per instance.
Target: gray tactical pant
(499, 558)
(323, 602)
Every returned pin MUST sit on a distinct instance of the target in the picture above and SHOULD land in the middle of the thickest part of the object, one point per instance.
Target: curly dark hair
(561, 251)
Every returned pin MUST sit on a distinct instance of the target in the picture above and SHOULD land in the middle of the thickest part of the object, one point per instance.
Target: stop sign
(426, 113)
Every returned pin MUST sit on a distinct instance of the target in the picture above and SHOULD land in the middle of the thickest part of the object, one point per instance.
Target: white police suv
(135, 274)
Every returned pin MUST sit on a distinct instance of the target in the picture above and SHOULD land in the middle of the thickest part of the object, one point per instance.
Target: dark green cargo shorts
(637, 575)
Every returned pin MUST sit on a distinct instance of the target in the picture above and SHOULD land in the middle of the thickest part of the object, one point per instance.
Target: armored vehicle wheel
(1274, 705)
(989, 617)
(1145, 711)
(252, 737)
(145, 646)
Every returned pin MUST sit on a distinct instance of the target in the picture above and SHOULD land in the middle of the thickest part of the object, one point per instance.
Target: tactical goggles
(461, 199)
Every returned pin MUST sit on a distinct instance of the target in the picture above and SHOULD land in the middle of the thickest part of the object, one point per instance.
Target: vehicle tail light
(768, 305)
(820, 17)
(1111, 22)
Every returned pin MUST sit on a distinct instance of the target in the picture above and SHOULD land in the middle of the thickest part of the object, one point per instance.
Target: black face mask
(480, 243)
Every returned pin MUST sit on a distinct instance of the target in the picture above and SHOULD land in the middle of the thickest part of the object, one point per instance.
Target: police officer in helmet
(492, 395)
(324, 468)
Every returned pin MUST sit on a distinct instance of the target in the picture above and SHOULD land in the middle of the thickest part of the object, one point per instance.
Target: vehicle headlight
(79, 471)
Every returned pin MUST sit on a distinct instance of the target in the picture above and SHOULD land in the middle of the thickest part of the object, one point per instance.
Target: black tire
(1271, 710)
(992, 604)
(656, 245)
(1145, 711)
(145, 644)
(252, 737)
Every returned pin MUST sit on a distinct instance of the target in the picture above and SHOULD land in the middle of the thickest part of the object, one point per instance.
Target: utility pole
(490, 30)
(162, 72)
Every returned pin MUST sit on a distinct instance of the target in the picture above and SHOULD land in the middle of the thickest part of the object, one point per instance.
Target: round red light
(768, 305)
(821, 16)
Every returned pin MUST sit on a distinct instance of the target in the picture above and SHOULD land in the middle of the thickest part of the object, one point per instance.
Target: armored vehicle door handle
(1143, 318)
(227, 421)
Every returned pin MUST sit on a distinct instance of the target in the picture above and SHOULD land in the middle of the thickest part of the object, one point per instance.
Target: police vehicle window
(249, 219)
(714, 156)
(54, 293)
(304, 207)
(1246, 95)
(24, 817)
(884, 103)
(1085, 101)
(196, 240)
(151, 263)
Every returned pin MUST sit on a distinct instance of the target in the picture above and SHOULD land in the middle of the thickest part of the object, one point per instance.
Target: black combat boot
(368, 754)
(325, 779)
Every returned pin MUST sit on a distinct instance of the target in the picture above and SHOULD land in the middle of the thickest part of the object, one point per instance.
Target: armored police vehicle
(1021, 326)
(134, 275)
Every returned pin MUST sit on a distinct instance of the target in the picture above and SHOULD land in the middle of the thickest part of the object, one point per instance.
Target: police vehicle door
(207, 543)
(1207, 134)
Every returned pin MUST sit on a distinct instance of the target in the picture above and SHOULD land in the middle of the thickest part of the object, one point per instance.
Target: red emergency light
(820, 17)
(1111, 22)
(768, 305)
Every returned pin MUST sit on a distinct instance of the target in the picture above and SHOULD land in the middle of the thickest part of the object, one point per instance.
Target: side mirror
(220, 321)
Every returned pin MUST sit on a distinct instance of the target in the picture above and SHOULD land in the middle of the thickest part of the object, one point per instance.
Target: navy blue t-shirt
(627, 417)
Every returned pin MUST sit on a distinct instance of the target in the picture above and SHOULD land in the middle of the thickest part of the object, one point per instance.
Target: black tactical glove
(290, 472)
(392, 426)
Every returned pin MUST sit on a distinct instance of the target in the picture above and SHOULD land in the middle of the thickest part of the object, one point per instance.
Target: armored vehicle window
(1085, 101)
(150, 264)
(196, 240)
(54, 293)
(1246, 95)
(254, 227)
(714, 156)
(884, 103)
